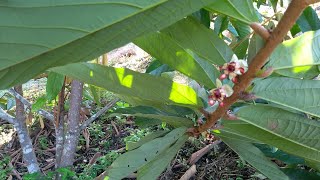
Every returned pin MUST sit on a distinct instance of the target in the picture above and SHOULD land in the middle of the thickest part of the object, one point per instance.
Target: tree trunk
(73, 129)
(29, 156)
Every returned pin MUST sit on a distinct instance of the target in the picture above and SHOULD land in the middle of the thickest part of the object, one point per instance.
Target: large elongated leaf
(37, 35)
(309, 20)
(298, 57)
(154, 168)
(134, 145)
(301, 95)
(190, 34)
(241, 10)
(133, 160)
(152, 113)
(287, 131)
(130, 83)
(256, 158)
(169, 52)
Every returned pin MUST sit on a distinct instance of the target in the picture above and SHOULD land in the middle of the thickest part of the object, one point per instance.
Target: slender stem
(73, 132)
(99, 113)
(288, 20)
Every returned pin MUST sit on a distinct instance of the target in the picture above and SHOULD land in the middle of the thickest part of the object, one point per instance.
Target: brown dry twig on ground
(289, 18)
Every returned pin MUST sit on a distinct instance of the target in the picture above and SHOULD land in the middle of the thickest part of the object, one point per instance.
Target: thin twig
(189, 173)
(99, 113)
(288, 20)
(195, 157)
(42, 112)
(7, 117)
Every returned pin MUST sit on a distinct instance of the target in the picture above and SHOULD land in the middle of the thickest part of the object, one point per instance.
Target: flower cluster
(234, 68)
(218, 94)
(229, 70)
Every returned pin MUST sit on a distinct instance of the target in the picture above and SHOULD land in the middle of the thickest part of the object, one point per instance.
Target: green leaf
(256, 43)
(146, 122)
(169, 52)
(241, 10)
(256, 158)
(153, 169)
(133, 160)
(295, 30)
(134, 145)
(301, 95)
(203, 16)
(32, 43)
(309, 20)
(298, 57)
(54, 84)
(127, 82)
(301, 174)
(152, 113)
(242, 42)
(40, 102)
(190, 34)
(275, 153)
(287, 131)
(95, 95)
(220, 24)
(274, 4)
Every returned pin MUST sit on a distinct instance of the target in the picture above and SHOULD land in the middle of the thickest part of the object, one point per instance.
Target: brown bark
(288, 20)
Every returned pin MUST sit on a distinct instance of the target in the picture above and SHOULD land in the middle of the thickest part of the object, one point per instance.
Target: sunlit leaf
(242, 10)
(298, 57)
(127, 82)
(37, 35)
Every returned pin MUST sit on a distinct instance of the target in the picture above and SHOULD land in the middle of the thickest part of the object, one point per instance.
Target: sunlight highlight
(124, 80)
(183, 94)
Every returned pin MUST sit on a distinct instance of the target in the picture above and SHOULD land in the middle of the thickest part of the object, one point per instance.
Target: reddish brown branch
(291, 15)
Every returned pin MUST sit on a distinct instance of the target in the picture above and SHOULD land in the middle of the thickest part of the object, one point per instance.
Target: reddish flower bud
(235, 80)
(221, 104)
(211, 102)
(223, 76)
(241, 70)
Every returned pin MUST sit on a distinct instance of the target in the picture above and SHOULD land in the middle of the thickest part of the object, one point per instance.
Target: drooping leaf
(54, 84)
(203, 16)
(95, 95)
(301, 95)
(134, 145)
(133, 160)
(276, 153)
(240, 46)
(152, 113)
(154, 168)
(256, 158)
(169, 52)
(298, 57)
(274, 4)
(189, 34)
(30, 43)
(241, 10)
(295, 30)
(287, 131)
(309, 20)
(220, 24)
(300, 174)
(130, 83)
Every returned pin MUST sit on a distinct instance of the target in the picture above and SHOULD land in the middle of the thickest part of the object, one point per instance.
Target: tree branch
(288, 20)
(7, 117)
(42, 112)
(99, 113)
